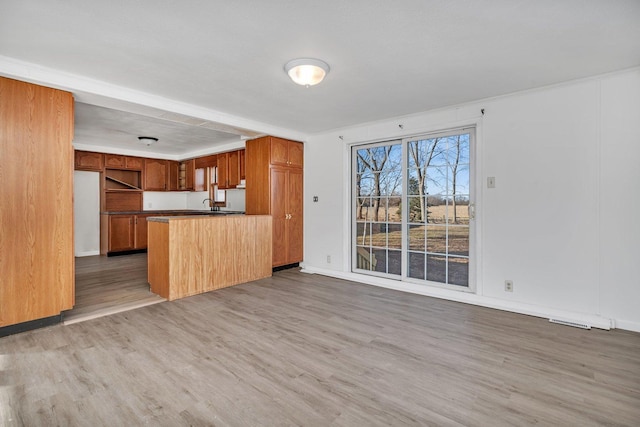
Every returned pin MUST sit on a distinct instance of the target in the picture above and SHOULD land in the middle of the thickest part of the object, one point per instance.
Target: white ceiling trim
(100, 93)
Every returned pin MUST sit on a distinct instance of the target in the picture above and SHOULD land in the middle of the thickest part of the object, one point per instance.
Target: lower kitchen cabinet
(121, 233)
(140, 241)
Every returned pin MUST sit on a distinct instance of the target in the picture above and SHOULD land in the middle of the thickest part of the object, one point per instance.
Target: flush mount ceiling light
(147, 140)
(306, 71)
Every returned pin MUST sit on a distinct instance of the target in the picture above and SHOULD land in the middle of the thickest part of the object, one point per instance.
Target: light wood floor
(107, 285)
(299, 349)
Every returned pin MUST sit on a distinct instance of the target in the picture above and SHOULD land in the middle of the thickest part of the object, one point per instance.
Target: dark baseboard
(30, 325)
(286, 267)
(135, 251)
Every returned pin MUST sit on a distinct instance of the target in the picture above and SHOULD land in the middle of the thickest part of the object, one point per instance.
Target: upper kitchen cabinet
(89, 161)
(174, 175)
(36, 216)
(156, 174)
(228, 170)
(116, 161)
(242, 164)
(186, 175)
(285, 152)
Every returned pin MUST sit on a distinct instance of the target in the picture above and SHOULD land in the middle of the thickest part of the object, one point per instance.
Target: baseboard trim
(627, 325)
(87, 253)
(469, 298)
(30, 325)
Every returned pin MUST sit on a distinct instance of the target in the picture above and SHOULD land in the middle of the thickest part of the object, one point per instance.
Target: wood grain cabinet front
(121, 233)
(274, 186)
(187, 175)
(174, 175)
(228, 170)
(89, 161)
(140, 224)
(156, 174)
(285, 152)
(118, 161)
(124, 232)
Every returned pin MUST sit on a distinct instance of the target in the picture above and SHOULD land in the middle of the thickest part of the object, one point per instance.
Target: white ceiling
(387, 58)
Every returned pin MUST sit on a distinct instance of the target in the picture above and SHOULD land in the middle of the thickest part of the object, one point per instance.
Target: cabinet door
(141, 232)
(233, 172)
(241, 157)
(155, 175)
(189, 174)
(114, 161)
(174, 175)
(294, 209)
(133, 163)
(121, 233)
(296, 154)
(89, 161)
(279, 216)
(200, 178)
(223, 171)
(279, 151)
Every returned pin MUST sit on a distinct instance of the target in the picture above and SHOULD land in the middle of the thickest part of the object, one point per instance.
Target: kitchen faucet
(212, 203)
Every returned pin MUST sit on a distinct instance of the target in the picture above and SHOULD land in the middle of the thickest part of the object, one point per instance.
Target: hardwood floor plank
(298, 349)
(108, 285)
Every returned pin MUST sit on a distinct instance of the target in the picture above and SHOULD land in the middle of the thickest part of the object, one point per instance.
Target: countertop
(174, 212)
(167, 218)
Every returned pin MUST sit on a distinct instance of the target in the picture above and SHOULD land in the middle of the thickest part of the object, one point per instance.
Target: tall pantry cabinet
(36, 213)
(274, 186)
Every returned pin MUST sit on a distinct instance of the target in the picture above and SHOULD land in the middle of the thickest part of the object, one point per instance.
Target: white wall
(86, 213)
(560, 222)
(164, 200)
(235, 200)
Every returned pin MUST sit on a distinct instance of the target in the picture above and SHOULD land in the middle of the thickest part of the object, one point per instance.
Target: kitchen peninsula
(189, 255)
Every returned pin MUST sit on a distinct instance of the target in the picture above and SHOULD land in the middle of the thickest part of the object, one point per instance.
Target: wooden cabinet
(200, 180)
(89, 161)
(117, 161)
(121, 191)
(228, 170)
(156, 174)
(119, 233)
(36, 213)
(286, 211)
(274, 182)
(174, 175)
(285, 152)
(140, 240)
(186, 176)
(242, 164)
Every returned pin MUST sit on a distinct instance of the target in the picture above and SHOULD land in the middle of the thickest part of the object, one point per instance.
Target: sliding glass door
(378, 195)
(412, 204)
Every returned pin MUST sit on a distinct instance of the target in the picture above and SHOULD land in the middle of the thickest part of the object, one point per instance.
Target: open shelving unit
(122, 190)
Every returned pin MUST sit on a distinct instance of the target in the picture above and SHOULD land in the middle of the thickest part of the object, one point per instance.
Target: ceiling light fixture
(306, 71)
(147, 140)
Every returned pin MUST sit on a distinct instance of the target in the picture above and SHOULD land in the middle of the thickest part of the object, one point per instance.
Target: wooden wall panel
(36, 213)
(257, 158)
(158, 258)
(209, 253)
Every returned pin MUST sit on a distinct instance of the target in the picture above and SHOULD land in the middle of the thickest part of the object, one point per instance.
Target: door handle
(472, 210)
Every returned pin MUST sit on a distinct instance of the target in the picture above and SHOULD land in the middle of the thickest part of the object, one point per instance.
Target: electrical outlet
(508, 285)
(328, 259)
(315, 198)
